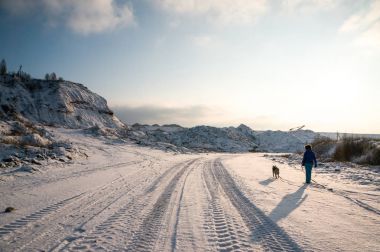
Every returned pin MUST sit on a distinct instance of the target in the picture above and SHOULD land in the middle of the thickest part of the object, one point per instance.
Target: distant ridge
(227, 139)
(333, 135)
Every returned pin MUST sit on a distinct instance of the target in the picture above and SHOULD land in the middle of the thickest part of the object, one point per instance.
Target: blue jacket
(309, 157)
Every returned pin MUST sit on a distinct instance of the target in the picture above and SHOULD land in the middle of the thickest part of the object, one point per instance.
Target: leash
(313, 180)
(303, 170)
(319, 186)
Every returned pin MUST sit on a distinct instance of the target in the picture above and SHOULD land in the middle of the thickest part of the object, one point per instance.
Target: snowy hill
(284, 141)
(228, 139)
(31, 109)
(201, 138)
(54, 103)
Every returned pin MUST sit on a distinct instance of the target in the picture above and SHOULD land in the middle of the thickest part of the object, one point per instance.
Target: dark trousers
(308, 168)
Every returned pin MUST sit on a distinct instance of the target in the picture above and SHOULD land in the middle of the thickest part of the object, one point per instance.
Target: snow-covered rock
(29, 108)
(55, 103)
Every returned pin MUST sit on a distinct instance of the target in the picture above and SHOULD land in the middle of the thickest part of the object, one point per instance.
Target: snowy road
(161, 202)
(192, 205)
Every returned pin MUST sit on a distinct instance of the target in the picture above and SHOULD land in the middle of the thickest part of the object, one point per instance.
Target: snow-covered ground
(335, 213)
(123, 197)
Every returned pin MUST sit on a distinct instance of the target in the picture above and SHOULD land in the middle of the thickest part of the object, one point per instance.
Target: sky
(270, 64)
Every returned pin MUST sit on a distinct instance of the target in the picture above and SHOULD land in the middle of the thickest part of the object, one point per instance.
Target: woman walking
(308, 161)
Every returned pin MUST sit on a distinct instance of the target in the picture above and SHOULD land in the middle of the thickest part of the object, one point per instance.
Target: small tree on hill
(25, 76)
(3, 67)
(53, 76)
(47, 76)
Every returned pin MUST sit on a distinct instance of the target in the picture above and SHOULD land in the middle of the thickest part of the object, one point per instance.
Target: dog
(276, 171)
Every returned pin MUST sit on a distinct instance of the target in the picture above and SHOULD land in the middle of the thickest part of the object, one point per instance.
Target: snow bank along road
(148, 200)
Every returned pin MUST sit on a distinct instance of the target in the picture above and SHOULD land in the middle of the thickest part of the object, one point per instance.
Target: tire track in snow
(41, 214)
(48, 180)
(264, 230)
(137, 212)
(225, 230)
(178, 212)
(42, 235)
(18, 224)
(65, 216)
(188, 217)
(145, 238)
(132, 192)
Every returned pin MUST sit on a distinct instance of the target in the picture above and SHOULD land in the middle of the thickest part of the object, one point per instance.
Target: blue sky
(268, 64)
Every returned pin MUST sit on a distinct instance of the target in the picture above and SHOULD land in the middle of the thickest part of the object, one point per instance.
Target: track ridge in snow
(146, 236)
(179, 209)
(76, 174)
(344, 194)
(361, 204)
(77, 211)
(67, 218)
(224, 229)
(153, 186)
(80, 241)
(134, 213)
(264, 230)
(33, 217)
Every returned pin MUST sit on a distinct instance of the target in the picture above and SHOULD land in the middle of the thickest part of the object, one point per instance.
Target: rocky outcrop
(55, 103)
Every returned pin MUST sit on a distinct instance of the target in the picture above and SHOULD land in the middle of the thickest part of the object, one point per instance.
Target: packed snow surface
(123, 197)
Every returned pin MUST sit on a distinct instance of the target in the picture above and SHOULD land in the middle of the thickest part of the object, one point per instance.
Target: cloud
(364, 19)
(238, 12)
(365, 25)
(196, 115)
(186, 116)
(84, 16)
(218, 11)
(91, 16)
(308, 5)
(202, 40)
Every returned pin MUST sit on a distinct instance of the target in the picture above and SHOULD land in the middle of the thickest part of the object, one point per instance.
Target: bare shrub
(375, 160)
(323, 146)
(349, 148)
(360, 150)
